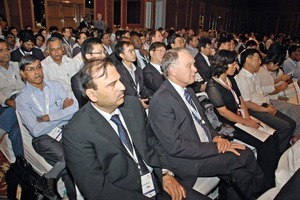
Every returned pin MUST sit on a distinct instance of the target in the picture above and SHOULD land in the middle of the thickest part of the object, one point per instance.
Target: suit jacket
(202, 67)
(152, 78)
(129, 83)
(78, 89)
(16, 55)
(97, 159)
(174, 127)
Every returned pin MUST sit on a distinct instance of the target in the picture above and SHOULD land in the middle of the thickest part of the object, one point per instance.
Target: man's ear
(22, 74)
(91, 95)
(172, 70)
(121, 55)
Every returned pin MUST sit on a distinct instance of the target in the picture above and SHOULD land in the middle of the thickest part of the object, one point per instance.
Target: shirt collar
(106, 115)
(129, 69)
(247, 73)
(33, 89)
(157, 67)
(178, 88)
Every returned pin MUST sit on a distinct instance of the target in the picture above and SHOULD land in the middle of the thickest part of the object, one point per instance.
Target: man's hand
(222, 144)
(11, 103)
(234, 146)
(271, 109)
(44, 118)
(144, 103)
(68, 102)
(173, 188)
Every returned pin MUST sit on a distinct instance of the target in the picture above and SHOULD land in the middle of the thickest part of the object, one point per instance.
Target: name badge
(56, 134)
(147, 185)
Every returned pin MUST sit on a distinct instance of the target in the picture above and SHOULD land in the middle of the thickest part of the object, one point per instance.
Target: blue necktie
(126, 141)
(190, 101)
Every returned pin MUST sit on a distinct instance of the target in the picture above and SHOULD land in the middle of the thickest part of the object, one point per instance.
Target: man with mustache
(45, 108)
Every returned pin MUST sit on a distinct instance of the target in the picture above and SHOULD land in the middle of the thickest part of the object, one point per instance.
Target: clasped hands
(224, 145)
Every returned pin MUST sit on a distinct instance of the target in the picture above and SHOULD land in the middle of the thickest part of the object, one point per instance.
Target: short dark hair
(251, 43)
(26, 35)
(91, 67)
(88, 45)
(156, 45)
(119, 48)
(248, 52)
(292, 49)
(203, 42)
(27, 60)
(221, 60)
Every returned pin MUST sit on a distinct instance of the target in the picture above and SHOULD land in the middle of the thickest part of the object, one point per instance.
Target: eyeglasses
(99, 52)
(32, 69)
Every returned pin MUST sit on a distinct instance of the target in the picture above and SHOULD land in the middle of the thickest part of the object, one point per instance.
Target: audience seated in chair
(10, 86)
(45, 107)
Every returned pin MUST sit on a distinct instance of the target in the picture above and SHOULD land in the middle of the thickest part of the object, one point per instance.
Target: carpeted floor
(4, 166)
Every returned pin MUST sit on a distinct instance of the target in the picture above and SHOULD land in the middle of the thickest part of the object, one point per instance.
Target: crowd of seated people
(243, 76)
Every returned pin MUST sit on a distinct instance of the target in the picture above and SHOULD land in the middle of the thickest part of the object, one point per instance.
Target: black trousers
(52, 151)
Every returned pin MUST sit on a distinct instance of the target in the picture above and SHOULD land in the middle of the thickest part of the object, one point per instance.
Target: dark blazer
(129, 83)
(97, 159)
(16, 55)
(78, 90)
(176, 131)
(202, 67)
(152, 78)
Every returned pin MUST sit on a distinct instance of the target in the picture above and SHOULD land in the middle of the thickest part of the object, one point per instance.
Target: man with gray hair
(57, 66)
(194, 149)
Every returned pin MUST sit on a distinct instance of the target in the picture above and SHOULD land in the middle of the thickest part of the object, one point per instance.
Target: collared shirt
(108, 49)
(61, 73)
(291, 67)
(132, 74)
(266, 81)
(33, 102)
(141, 59)
(201, 133)
(108, 116)
(10, 81)
(248, 84)
(157, 67)
(206, 59)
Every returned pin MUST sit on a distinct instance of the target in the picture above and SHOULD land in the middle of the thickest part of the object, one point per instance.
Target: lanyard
(192, 109)
(39, 105)
(228, 87)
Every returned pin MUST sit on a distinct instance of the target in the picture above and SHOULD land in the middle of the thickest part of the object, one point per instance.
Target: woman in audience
(225, 96)
(274, 84)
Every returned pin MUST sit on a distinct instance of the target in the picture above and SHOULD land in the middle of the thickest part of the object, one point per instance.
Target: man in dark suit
(109, 159)
(131, 76)
(27, 41)
(194, 149)
(153, 75)
(91, 48)
(202, 59)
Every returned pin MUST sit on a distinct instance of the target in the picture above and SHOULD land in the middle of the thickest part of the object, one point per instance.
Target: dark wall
(268, 16)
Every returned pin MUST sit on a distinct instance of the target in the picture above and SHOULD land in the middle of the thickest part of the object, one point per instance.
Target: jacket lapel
(105, 128)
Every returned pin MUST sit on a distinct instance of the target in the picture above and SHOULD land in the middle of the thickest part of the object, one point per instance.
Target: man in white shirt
(10, 86)
(258, 104)
(57, 66)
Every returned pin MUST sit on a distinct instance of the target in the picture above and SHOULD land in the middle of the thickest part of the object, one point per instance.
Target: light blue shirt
(32, 103)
